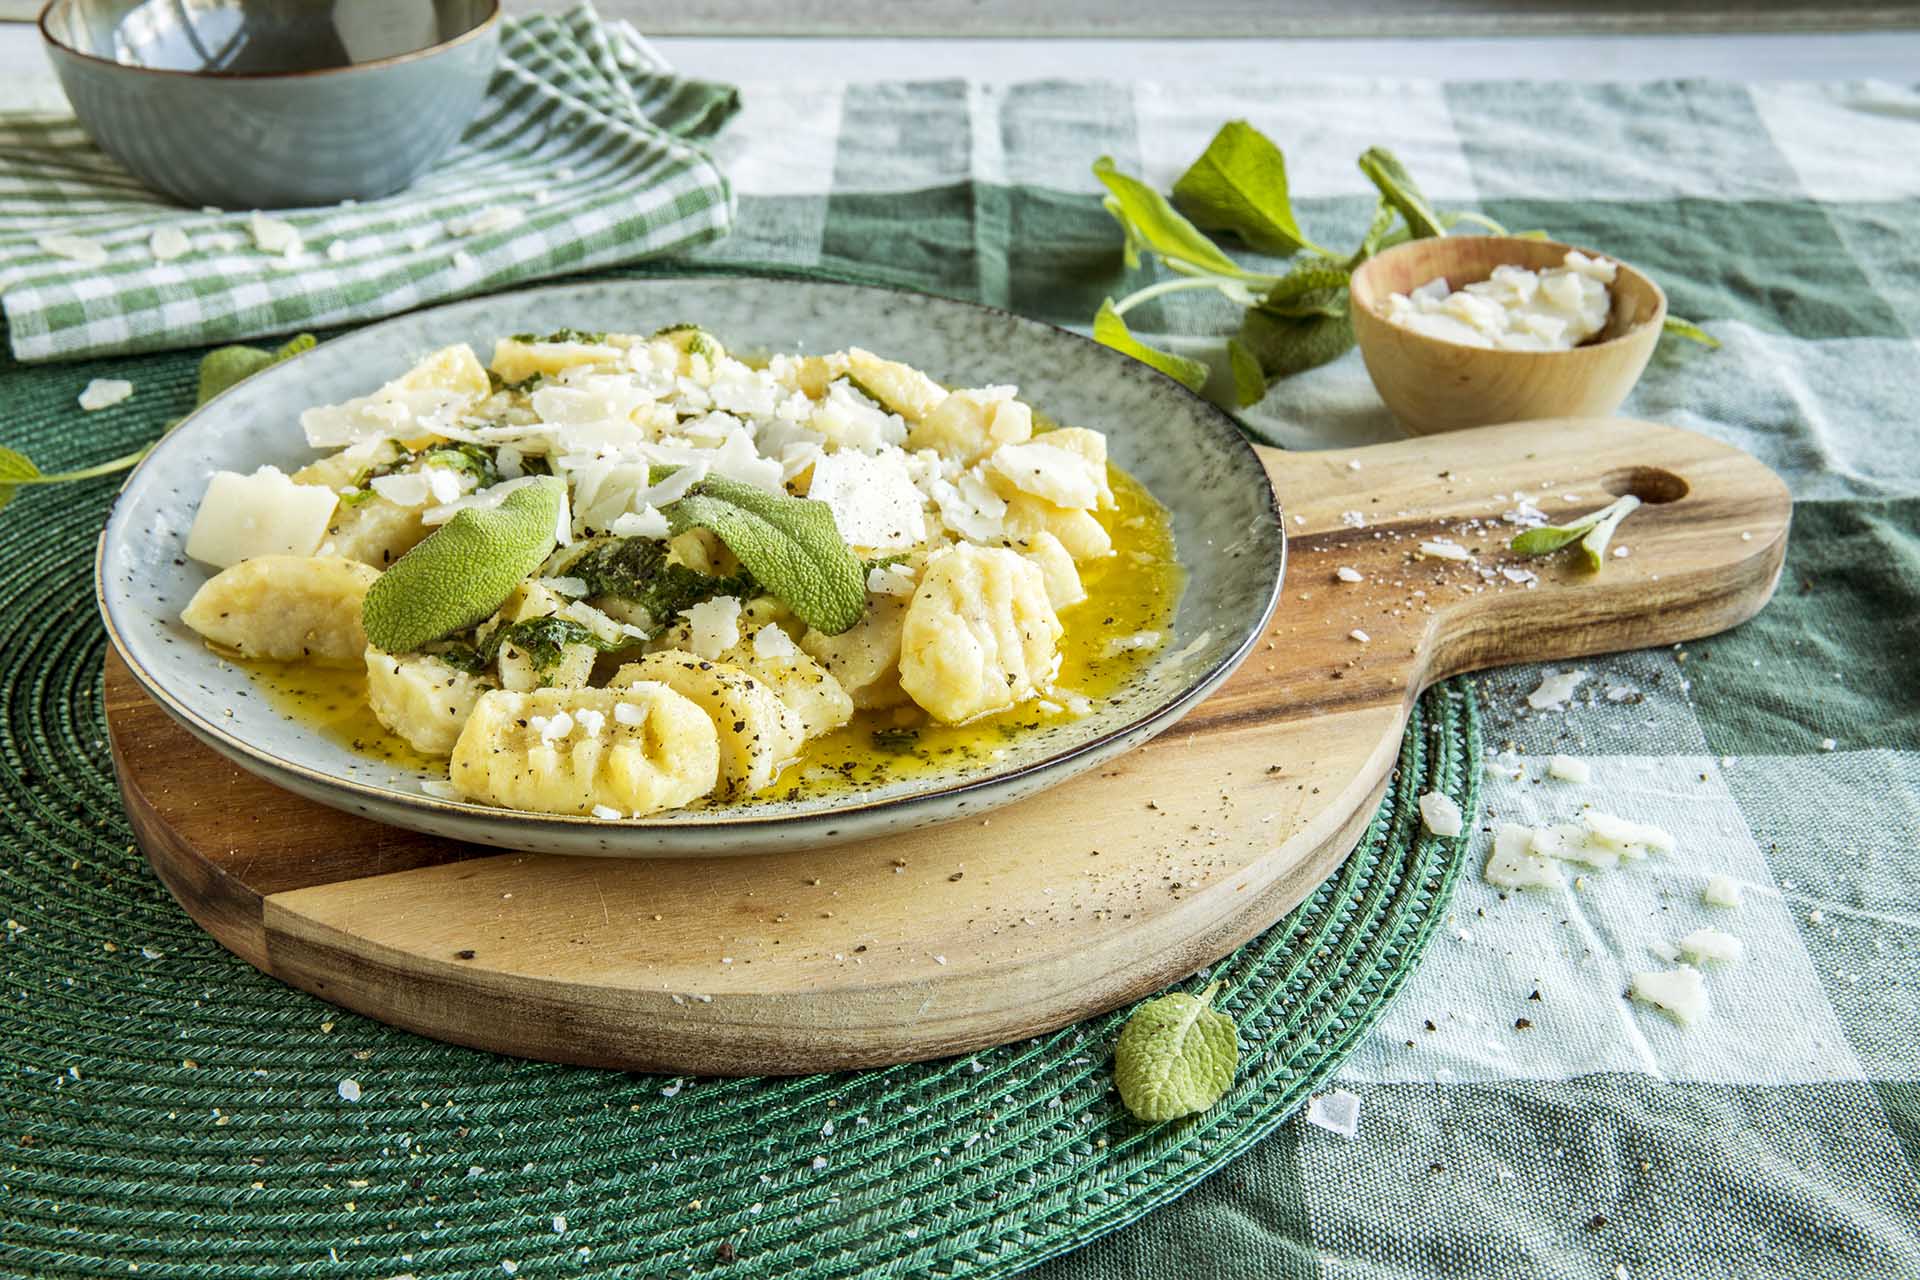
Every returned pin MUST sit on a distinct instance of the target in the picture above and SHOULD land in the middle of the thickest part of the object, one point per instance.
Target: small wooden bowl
(1433, 385)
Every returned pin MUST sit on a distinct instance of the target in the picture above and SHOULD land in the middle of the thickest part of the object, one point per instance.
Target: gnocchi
(286, 608)
(422, 699)
(980, 634)
(758, 733)
(636, 750)
(901, 558)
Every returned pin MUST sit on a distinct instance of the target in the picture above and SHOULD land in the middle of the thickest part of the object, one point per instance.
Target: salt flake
(1337, 1112)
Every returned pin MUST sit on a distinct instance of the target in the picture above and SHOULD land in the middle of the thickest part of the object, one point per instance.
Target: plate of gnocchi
(690, 566)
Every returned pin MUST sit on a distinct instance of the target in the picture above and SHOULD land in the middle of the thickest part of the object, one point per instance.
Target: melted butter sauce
(1133, 590)
(332, 702)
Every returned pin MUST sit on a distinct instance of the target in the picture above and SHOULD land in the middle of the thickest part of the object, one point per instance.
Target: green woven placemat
(171, 1111)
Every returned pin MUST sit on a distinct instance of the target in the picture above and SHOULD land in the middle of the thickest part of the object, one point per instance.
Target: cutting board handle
(1700, 555)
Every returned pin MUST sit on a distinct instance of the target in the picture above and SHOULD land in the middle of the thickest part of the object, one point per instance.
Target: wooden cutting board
(1087, 896)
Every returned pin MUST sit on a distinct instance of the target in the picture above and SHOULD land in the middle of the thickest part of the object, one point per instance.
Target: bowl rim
(1631, 333)
(477, 30)
(210, 729)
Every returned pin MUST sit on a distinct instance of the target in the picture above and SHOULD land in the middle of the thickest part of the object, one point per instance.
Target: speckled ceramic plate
(1189, 454)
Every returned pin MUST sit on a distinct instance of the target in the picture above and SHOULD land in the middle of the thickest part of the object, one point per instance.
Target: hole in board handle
(1652, 485)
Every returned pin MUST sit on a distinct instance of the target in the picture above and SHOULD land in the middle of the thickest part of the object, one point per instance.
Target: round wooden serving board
(1090, 895)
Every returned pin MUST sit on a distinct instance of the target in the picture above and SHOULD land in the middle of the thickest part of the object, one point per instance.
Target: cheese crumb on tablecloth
(1513, 865)
(1721, 891)
(1569, 769)
(1554, 690)
(74, 249)
(1679, 993)
(168, 243)
(1709, 943)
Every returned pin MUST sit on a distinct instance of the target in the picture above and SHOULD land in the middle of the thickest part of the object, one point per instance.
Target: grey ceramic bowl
(270, 104)
(1188, 453)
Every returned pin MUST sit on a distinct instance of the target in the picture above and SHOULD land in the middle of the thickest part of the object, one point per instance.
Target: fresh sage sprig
(219, 369)
(1292, 321)
(18, 470)
(1593, 531)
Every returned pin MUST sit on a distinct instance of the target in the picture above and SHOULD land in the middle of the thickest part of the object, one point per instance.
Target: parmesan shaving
(1679, 993)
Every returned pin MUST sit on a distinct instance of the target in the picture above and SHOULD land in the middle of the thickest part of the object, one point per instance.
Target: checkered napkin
(586, 153)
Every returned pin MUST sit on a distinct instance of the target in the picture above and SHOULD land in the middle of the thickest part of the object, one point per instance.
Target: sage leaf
(464, 570)
(1286, 345)
(1130, 239)
(1544, 540)
(1384, 215)
(1239, 184)
(1690, 331)
(1385, 171)
(1175, 1057)
(1592, 531)
(1110, 330)
(224, 366)
(1594, 546)
(15, 467)
(790, 545)
(1313, 289)
(1249, 379)
(636, 570)
(1157, 225)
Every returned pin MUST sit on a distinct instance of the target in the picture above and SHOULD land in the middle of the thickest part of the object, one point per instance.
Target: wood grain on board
(1084, 897)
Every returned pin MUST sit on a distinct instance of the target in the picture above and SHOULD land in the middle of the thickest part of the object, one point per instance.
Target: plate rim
(210, 728)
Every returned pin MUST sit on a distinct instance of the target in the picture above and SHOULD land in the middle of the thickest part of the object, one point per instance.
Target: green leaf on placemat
(14, 468)
(1175, 1056)
(224, 366)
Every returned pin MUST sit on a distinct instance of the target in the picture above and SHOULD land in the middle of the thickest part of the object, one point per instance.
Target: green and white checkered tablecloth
(1781, 1136)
